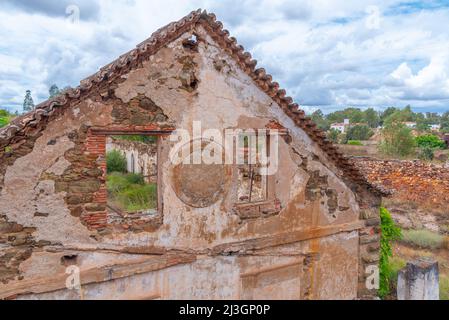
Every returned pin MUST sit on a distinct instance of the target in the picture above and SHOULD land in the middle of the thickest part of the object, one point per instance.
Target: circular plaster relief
(200, 185)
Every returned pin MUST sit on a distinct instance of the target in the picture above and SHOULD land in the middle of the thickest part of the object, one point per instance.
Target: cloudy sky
(327, 54)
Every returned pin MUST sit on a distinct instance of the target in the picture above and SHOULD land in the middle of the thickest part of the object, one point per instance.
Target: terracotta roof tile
(160, 38)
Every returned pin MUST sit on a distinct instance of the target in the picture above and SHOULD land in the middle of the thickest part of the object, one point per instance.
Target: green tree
(408, 114)
(5, 118)
(333, 135)
(115, 162)
(444, 121)
(320, 120)
(422, 125)
(354, 115)
(359, 132)
(3, 121)
(386, 113)
(389, 232)
(372, 118)
(53, 91)
(431, 117)
(398, 116)
(397, 140)
(28, 103)
(426, 153)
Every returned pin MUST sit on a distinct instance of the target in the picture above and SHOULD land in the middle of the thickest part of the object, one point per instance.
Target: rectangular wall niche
(132, 175)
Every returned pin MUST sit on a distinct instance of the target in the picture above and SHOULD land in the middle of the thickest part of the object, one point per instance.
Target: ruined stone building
(309, 230)
(140, 157)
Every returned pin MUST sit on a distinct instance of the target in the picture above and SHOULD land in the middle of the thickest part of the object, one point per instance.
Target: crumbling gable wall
(309, 244)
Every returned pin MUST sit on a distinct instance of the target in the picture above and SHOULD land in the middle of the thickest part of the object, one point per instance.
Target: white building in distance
(342, 127)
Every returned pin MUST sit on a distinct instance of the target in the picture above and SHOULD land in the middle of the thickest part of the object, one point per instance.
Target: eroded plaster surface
(306, 249)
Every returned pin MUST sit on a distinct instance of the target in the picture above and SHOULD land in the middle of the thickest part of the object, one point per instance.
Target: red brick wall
(95, 215)
(96, 148)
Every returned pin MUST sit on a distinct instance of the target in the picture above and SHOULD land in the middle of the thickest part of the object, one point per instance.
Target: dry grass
(424, 239)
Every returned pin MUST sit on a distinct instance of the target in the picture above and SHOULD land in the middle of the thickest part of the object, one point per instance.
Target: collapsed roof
(26, 124)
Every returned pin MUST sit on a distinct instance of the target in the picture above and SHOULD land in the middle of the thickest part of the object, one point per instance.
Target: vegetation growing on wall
(389, 233)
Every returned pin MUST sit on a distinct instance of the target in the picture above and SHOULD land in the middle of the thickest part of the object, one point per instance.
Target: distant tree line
(397, 139)
(28, 104)
(374, 119)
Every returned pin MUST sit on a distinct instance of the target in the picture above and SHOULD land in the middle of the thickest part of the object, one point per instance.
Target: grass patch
(355, 143)
(130, 193)
(423, 239)
(395, 264)
(444, 287)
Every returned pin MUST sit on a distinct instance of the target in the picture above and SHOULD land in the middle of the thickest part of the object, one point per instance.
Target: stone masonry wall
(412, 181)
(314, 246)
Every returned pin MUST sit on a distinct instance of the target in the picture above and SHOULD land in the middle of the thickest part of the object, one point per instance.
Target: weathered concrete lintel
(285, 238)
(95, 275)
(100, 131)
(240, 247)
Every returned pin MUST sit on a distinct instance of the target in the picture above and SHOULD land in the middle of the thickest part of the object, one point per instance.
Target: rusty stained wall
(286, 272)
(178, 86)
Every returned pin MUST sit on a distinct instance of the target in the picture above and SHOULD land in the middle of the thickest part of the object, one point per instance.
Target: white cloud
(324, 52)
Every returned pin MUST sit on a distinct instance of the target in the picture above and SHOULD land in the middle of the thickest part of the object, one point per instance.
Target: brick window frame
(96, 148)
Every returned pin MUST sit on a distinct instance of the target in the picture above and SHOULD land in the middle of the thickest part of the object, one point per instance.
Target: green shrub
(333, 135)
(423, 238)
(355, 143)
(426, 153)
(5, 118)
(135, 178)
(115, 162)
(359, 132)
(430, 141)
(3, 121)
(389, 233)
(397, 140)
